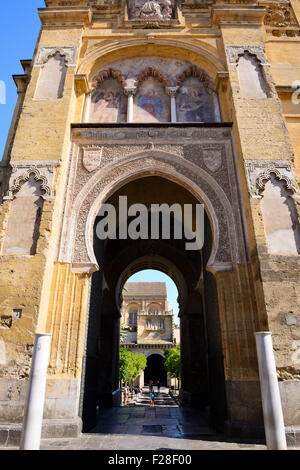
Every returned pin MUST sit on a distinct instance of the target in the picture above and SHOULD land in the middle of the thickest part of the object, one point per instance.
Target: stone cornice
(66, 16)
(81, 84)
(21, 82)
(238, 14)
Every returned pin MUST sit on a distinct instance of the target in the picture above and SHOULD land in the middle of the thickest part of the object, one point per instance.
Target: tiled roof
(140, 289)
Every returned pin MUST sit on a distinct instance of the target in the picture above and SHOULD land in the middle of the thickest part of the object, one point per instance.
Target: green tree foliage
(172, 362)
(131, 364)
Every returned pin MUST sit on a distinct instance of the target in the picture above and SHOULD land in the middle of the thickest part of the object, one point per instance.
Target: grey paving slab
(143, 428)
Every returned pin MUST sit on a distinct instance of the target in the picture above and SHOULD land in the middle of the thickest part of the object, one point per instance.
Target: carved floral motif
(280, 14)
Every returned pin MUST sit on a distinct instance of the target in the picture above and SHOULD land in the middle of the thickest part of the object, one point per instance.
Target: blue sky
(20, 25)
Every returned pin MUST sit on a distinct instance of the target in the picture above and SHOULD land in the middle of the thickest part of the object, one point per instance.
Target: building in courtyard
(138, 103)
(147, 327)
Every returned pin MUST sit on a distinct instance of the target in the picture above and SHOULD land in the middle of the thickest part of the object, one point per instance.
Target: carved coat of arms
(91, 158)
(212, 159)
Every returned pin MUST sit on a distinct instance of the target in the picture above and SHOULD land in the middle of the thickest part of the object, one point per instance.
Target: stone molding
(234, 52)
(42, 171)
(260, 171)
(44, 53)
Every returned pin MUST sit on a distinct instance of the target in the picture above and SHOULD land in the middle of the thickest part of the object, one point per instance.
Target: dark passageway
(155, 370)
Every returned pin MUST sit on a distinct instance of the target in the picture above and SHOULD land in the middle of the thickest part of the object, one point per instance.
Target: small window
(133, 318)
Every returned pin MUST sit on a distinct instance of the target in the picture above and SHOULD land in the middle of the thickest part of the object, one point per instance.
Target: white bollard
(33, 416)
(271, 403)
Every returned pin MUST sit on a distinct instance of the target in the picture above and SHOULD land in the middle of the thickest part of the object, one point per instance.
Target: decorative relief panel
(69, 53)
(91, 158)
(280, 19)
(42, 171)
(234, 52)
(109, 104)
(126, 154)
(260, 171)
(150, 9)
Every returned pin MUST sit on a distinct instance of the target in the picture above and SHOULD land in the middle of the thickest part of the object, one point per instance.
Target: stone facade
(147, 324)
(155, 90)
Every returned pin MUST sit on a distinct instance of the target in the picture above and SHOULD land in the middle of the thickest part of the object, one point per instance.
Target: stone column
(171, 91)
(130, 92)
(87, 107)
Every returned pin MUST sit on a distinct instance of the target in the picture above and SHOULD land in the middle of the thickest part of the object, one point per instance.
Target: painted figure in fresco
(195, 105)
(107, 105)
(150, 103)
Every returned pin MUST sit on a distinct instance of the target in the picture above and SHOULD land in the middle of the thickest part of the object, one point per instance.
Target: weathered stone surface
(257, 289)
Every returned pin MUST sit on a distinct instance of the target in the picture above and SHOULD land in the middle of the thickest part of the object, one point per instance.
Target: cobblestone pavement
(141, 427)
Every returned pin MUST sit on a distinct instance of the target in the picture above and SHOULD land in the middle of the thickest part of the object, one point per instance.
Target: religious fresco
(149, 77)
(109, 104)
(133, 67)
(151, 103)
(194, 102)
(150, 9)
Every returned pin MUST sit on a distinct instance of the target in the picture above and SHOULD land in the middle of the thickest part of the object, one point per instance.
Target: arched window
(133, 317)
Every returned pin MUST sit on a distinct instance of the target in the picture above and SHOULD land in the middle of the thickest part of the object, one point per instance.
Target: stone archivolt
(218, 194)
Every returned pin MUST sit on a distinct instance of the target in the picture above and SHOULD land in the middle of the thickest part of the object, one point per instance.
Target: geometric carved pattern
(41, 171)
(234, 52)
(129, 153)
(91, 158)
(260, 171)
(45, 52)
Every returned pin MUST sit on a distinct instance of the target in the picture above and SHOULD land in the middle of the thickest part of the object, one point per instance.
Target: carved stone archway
(201, 160)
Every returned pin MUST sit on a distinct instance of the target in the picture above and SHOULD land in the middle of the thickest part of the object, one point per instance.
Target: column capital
(130, 91)
(172, 90)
